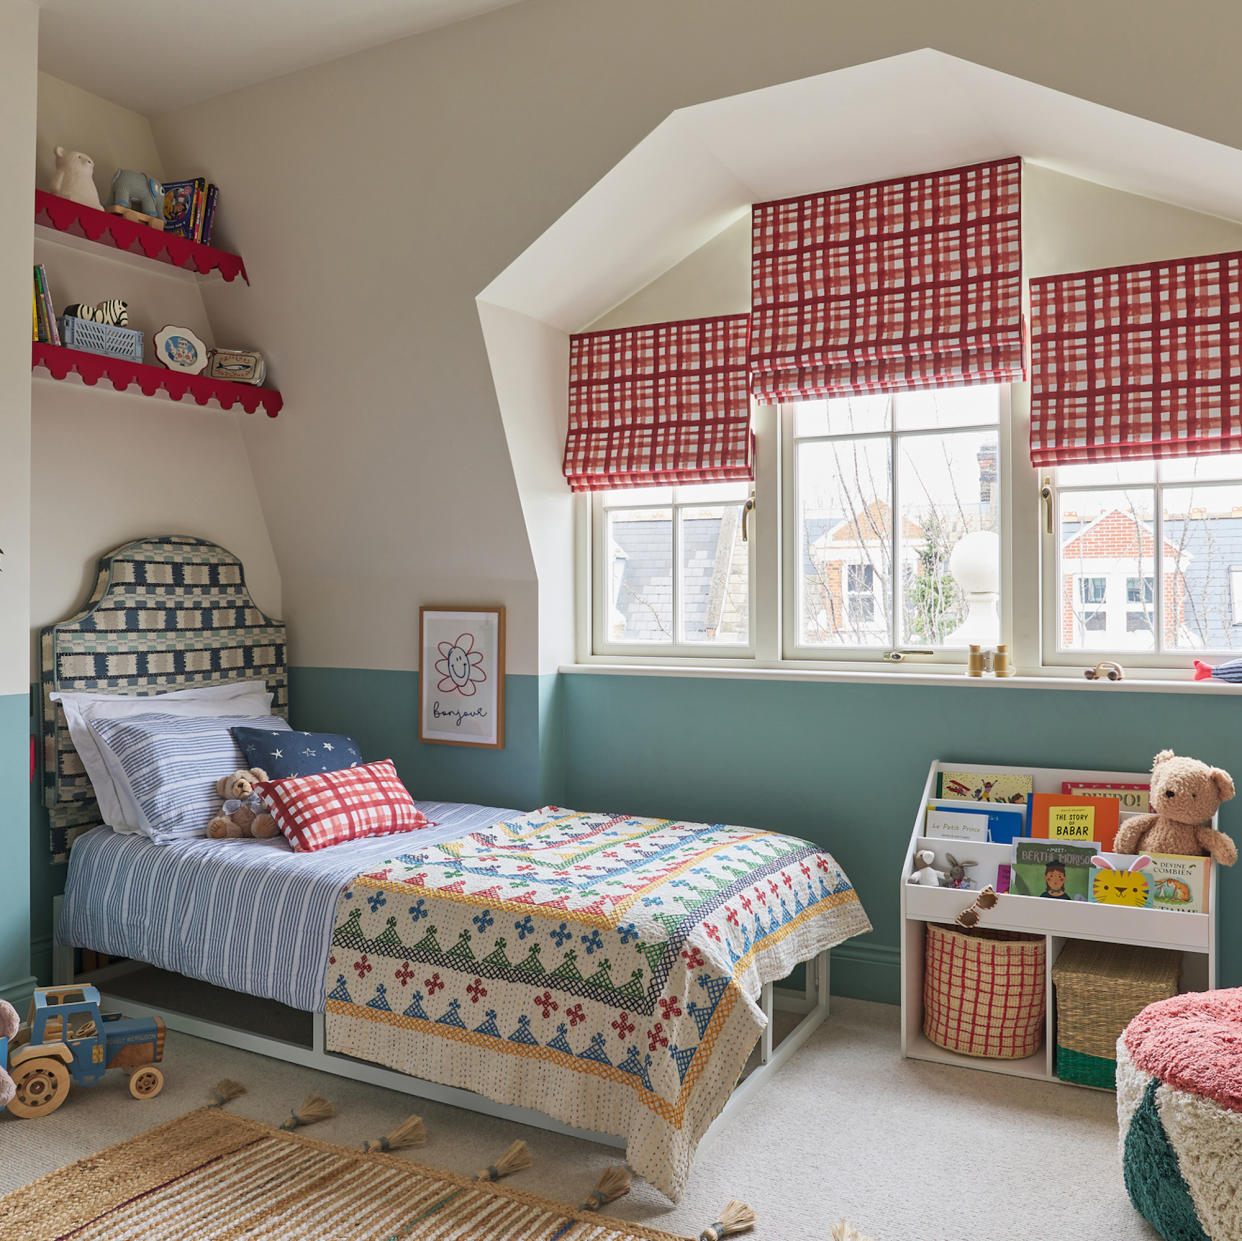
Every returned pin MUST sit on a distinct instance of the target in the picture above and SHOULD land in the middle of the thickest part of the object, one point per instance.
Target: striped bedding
(249, 915)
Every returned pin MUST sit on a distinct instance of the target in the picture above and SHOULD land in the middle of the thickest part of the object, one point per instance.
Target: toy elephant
(137, 191)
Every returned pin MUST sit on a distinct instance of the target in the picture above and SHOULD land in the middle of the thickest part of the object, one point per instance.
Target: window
(1144, 563)
(673, 576)
(674, 571)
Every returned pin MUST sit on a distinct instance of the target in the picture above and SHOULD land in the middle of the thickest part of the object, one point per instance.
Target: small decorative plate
(180, 350)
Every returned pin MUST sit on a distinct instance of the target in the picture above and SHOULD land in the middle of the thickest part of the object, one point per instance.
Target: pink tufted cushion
(1193, 1043)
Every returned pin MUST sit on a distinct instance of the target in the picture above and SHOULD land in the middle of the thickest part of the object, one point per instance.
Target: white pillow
(237, 698)
(169, 767)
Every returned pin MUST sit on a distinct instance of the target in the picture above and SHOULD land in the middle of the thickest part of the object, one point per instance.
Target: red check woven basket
(984, 992)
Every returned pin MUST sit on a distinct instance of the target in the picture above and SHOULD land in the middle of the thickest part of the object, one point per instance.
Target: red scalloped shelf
(153, 380)
(66, 216)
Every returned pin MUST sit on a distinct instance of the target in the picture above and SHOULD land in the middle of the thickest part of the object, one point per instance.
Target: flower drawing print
(460, 666)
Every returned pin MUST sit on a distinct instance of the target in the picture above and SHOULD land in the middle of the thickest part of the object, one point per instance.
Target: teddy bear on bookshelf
(1185, 794)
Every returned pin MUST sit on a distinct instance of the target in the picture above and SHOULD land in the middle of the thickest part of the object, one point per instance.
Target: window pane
(1203, 544)
(1107, 570)
(638, 587)
(1106, 473)
(638, 497)
(1225, 467)
(844, 542)
(847, 415)
(948, 407)
(948, 487)
(715, 575)
(712, 493)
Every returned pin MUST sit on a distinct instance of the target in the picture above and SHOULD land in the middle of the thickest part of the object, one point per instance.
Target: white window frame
(1156, 665)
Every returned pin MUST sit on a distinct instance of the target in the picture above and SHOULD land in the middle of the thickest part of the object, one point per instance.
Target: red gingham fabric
(658, 404)
(912, 283)
(1137, 362)
(316, 811)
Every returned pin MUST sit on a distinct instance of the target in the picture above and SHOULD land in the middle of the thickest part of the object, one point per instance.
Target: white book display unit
(1192, 934)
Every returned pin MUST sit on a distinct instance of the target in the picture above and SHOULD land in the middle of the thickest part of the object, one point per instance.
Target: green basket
(1077, 1066)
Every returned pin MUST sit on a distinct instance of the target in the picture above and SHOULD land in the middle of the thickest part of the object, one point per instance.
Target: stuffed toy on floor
(9, 1022)
(1185, 794)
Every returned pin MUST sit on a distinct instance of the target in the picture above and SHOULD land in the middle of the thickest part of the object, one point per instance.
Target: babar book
(1061, 816)
(1054, 869)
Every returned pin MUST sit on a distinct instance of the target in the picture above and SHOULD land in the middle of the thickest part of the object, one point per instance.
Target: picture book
(49, 313)
(1133, 797)
(967, 864)
(999, 786)
(179, 200)
(945, 824)
(1056, 869)
(1004, 823)
(1062, 816)
(1121, 879)
(209, 213)
(1179, 882)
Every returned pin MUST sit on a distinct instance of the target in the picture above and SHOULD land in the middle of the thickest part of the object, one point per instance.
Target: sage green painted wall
(15, 971)
(843, 765)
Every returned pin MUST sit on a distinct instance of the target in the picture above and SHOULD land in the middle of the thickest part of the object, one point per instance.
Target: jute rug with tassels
(211, 1175)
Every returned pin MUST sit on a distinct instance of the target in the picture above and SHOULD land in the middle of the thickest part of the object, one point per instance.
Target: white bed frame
(812, 1003)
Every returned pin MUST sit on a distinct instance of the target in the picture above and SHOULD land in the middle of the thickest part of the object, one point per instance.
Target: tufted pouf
(1179, 1105)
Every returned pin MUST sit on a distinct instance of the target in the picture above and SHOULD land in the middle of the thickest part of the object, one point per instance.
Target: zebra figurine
(114, 311)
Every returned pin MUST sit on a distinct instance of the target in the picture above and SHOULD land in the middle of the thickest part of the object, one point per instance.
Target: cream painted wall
(375, 196)
(19, 23)
(105, 466)
(1068, 225)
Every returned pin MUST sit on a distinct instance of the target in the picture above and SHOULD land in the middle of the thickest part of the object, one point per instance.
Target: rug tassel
(409, 1133)
(613, 1183)
(841, 1231)
(313, 1108)
(736, 1217)
(225, 1092)
(515, 1159)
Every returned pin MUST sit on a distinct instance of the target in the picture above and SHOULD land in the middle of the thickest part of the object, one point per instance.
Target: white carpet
(905, 1150)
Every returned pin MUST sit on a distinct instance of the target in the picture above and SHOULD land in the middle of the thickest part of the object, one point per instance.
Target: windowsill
(1045, 680)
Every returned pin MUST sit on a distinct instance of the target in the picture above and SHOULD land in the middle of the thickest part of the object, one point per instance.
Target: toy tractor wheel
(146, 1082)
(41, 1088)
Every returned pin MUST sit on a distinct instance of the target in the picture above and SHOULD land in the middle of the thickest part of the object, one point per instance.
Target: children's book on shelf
(1062, 816)
(989, 786)
(182, 207)
(46, 328)
(1121, 879)
(209, 213)
(997, 822)
(1054, 869)
(1132, 797)
(1181, 883)
(969, 864)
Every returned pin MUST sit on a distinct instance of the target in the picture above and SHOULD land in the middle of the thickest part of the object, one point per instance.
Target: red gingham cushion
(911, 283)
(316, 811)
(660, 403)
(1137, 362)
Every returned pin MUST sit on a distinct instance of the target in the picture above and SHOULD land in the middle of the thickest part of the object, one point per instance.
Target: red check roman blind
(1137, 362)
(657, 404)
(912, 283)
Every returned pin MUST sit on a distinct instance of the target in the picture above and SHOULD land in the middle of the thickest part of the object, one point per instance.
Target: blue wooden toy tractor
(69, 1039)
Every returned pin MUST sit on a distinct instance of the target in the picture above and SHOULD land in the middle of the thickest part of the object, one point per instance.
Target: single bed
(605, 975)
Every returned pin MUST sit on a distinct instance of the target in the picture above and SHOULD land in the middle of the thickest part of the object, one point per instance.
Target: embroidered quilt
(602, 969)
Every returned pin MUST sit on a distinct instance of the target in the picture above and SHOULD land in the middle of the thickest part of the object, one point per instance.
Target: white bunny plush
(925, 874)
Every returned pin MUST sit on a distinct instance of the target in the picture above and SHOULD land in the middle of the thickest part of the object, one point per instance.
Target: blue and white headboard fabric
(165, 613)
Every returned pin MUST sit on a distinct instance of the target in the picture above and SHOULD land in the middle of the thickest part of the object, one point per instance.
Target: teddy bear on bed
(1185, 794)
(9, 1022)
(243, 812)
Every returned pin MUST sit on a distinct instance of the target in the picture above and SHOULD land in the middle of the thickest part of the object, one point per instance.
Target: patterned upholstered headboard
(164, 614)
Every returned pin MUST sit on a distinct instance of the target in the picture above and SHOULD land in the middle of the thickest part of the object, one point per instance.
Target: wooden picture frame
(461, 676)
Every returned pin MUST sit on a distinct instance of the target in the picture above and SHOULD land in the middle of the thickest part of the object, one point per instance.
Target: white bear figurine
(74, 178)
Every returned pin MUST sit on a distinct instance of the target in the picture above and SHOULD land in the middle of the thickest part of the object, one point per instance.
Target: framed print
(461, 676)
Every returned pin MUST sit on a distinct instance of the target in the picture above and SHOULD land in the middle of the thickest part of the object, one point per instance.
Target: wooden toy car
(68, 1039)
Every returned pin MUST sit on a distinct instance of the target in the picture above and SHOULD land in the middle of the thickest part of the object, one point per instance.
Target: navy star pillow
(285, 754)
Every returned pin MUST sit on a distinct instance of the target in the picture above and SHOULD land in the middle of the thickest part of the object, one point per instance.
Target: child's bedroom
(618, 621)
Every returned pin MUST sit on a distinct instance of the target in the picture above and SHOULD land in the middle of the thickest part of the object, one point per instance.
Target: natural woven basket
(1100, 989)
(984, 991)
